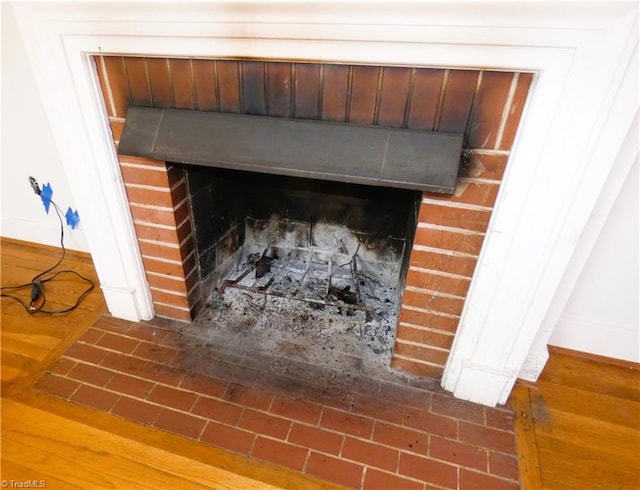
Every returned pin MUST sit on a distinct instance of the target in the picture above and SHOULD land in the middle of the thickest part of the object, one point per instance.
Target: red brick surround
(357, 432)
(159, 206)
(485, 105)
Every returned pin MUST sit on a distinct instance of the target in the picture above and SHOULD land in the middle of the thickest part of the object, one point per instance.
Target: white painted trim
(578, 52)
(628, 155)
(47, 232)
(70, 92)
(599, 335)
(123, 302)
(558, 205)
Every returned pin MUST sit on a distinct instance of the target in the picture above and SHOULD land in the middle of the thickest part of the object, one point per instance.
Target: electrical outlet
(34, 185)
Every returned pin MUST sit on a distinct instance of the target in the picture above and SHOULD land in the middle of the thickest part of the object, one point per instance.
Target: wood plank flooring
(578, 427)
(69, 446)
(31, 342)
(117, 462)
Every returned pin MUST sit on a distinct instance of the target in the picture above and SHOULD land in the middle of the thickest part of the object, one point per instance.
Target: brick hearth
(355, 431)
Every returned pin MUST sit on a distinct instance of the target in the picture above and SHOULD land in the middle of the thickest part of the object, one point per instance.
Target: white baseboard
(595, 337)
(122, 303)
(483, 384)
(45, 232)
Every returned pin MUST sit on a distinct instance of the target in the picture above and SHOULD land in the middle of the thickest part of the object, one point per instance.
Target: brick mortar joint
(443, 251)
(166, 305)
(450, 229)
(419, 361)
(430, 312)
(418, 344)
(429, 201)
(147, 187)
(163, 260)
(437, 272)
(427, 328)
(439, 294)
(176, 262)
(179, 294)
(141, 166)
(159, 226)
(172, 246)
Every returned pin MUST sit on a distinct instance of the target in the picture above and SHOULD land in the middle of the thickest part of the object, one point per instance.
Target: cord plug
(35, 186)
(36, 291)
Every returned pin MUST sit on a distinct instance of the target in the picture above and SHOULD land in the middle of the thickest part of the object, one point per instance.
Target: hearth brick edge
(357, 432)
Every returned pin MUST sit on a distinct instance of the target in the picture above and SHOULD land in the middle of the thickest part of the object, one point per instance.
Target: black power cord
(38, 298)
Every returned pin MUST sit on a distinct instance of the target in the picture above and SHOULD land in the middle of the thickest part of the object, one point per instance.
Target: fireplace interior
(302, 268)
(302, 229)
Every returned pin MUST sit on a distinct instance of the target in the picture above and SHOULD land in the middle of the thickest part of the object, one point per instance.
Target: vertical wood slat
(228, 85)
(183, 83)
(334, 92)
(515, 111)
(425, 95)
(118, 90)
(253, 88)
(279, 89)
(307, 90)
(489, 107)
(105, 88)
(393, 96)
(160, 82)
(205, 86)
(364, 87)
(146, 82)
(458, 96)
(139, 88)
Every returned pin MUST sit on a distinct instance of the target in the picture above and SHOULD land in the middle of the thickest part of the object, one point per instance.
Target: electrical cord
(38, 297)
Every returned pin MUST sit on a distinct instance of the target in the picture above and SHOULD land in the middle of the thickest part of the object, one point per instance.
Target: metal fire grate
(310, 274)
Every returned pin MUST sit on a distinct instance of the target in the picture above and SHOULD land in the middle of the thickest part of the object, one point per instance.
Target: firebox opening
(311, 268)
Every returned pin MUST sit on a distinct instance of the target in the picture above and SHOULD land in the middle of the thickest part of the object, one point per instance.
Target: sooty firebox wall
(286, 257)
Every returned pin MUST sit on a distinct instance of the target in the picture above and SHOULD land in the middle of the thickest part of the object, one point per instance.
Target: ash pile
(312, 303)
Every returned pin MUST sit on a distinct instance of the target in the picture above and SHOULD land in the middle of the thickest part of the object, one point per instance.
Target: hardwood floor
(68, 446)
(30, 435)
(31, 342)
(578, 427)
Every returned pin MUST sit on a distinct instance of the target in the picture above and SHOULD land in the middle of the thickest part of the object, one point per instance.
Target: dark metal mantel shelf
(371, 155)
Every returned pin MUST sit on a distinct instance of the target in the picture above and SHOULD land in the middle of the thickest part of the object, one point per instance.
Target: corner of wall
(28, 149)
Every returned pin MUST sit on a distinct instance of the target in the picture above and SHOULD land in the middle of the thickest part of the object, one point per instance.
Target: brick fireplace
(484, 105)
(568, 142)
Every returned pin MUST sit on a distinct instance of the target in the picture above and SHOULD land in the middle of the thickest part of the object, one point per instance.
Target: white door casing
(578, 112)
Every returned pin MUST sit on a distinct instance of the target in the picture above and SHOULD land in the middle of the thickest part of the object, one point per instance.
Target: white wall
(601, 316)
(28, 148)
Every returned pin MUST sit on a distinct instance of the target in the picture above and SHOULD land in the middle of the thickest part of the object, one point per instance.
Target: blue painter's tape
(45, 195)
(72, 218)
